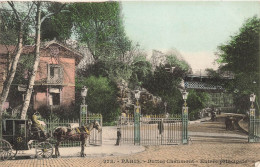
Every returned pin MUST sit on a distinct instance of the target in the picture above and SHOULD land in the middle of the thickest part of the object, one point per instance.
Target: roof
(30, 49)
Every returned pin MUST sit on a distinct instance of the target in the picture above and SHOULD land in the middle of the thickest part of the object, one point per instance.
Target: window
(55, 74)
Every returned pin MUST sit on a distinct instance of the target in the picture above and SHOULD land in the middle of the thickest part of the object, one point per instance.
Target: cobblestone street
(210, 145)
(198, 154)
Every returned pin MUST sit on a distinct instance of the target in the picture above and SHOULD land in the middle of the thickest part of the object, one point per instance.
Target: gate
(254, 127)
(151, 129)
(95, 136)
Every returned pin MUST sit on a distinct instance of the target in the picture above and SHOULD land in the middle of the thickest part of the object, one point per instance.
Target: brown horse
(74, 134)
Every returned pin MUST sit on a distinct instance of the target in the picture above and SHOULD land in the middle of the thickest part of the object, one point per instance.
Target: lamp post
(84, 91)
(185, 118)
(137, 113)
(165, 105)
(83, 106)
(251, 137)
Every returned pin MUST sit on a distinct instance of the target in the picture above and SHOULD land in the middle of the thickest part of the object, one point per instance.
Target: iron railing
(154, 129)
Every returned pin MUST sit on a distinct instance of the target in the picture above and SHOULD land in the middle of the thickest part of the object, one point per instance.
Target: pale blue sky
(193, 28)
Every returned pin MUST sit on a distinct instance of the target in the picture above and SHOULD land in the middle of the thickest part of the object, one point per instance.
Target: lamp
(185, 95)
(252, 98)
(84, 91)
(137, 94)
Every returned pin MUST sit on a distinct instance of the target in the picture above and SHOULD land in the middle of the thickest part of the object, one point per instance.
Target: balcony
(55, 74)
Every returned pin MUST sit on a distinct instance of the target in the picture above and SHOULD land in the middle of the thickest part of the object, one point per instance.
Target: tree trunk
(12, 71)
(36, 63)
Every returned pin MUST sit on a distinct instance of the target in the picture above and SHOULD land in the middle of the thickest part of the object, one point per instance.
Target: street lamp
(84, 92)
(185, 118)
(83, 106)
(137, 113)
(137, 96)
(165, 105)
(252, 99)
(185, 96)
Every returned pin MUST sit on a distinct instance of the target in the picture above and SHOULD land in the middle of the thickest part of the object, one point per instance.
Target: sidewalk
(107, 149)
(200, 120)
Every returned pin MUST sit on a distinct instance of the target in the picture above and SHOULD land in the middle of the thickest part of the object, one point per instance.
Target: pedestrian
(118, 137)
(160, 126)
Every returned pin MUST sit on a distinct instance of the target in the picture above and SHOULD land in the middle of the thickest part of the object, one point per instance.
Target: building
(55, 79)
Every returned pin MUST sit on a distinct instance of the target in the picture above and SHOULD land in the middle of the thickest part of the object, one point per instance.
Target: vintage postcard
(129, 83)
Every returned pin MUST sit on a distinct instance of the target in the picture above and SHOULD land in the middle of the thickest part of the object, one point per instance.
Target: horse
(74, 134)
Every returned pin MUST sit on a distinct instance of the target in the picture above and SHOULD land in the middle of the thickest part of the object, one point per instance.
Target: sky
(195, 29)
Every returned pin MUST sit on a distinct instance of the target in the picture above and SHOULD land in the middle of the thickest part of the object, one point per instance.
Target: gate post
(251, 134)
(251, 137)
(185, 118)
(83, 107)
(83, 115)
(185, 125)
(137, 109)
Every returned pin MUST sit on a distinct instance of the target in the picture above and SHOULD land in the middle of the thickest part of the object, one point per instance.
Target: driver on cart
(40, 133)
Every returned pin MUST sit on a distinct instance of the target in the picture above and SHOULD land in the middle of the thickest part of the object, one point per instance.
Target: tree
(57, 26)
(101, 96)
(141, 70)
(100, 26)
(197, 101)
(166, 84)
(38, 23)
(240, 55)
(20, 22)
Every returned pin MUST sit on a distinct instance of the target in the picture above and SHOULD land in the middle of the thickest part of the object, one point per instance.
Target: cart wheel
(44, 150)
(5, 150)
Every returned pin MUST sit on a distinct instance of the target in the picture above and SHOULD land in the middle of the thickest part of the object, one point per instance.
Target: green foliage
(58, 26)
(141, 70)
(165, 84)
(101, 96)
(197, 100)
(241, 53)
(241, 56)
(9, 29)
(24, 69)
(100, 26)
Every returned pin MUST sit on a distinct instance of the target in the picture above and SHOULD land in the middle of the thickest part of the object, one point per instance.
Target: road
(211, 145)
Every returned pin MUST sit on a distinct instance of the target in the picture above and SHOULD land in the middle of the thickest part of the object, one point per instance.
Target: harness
(84, 128)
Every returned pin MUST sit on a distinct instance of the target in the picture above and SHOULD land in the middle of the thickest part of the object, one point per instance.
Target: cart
(17, 134)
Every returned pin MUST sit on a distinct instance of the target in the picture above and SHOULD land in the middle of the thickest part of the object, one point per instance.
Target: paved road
(211, 145)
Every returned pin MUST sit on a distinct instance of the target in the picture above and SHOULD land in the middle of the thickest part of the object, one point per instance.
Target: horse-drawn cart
(17, 134)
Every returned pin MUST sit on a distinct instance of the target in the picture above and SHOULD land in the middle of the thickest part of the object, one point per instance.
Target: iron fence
(254, 132)
(154, 129)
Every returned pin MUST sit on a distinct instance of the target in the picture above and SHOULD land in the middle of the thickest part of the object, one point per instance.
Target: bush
(101, 97)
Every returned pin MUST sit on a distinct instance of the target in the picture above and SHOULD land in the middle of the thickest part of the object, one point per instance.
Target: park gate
(254, 127)
(153, 129)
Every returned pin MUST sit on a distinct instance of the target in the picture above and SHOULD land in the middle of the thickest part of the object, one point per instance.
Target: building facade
(55, 78)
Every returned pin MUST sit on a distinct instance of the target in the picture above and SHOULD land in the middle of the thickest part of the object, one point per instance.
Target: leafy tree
(241, 56)
(196, 101)
(17, 25)
(101, 96)
(57, 26)
(141, 70)
(100, 26)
